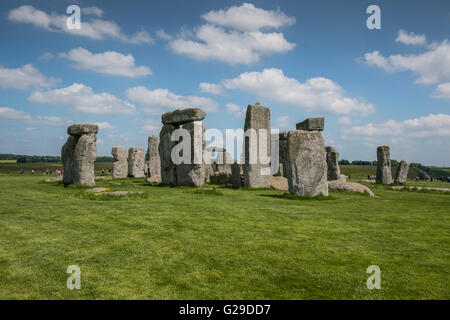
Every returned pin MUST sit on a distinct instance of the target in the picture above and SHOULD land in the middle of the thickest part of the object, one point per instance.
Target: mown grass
(179, 243)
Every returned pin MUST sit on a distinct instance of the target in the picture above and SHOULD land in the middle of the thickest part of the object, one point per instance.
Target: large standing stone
(384, 174)
(311, 124)
(152, 166)
(282, 140)
(79, 153)
(182, 116)
(401, 175)
(193, 174)
(136, 162)
(306, 164)
(223, 162)
(334, 170)
(256, 174)
(120, 166)
(236, 175)
(168, 168)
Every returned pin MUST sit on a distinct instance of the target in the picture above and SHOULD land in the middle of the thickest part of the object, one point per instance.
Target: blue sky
(133, 60)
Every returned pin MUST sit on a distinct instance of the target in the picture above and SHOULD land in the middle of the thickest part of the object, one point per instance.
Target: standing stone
(136, 161)
(120, 166)
(282, 140)
(334, 170)
(306, 164)
(193, 174)
(384, 174)
(401, 175)
(168, 168)
(223, 162)
(311, 124)
(79, 153)
(236, 174)
(256, 175)
(152, 160)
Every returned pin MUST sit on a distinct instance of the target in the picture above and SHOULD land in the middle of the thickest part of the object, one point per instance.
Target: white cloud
(284, 122)
(13, 114)
(47, 56)
(163, 35)
(94, 29)
(211, 88)
(104, 125)
(344, 121)
(442, 91)
(92, 11)
(24, 78)
(164, 98)
(430, 67)
(411, 38)
(432, 125)
(151, 126)
(235, 110)
(316, 95)
(109, 62)
(234, 36)
(248, 18)
(83, 99)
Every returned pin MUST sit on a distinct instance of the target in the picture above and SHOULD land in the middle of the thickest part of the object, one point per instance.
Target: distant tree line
(48, 159)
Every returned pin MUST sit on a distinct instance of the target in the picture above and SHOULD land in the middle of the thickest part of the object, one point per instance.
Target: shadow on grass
(288, 196)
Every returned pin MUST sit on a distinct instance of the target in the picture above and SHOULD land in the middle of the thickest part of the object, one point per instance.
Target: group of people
(44, 171)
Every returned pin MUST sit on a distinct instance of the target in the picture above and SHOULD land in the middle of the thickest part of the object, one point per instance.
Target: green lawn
(179, 243)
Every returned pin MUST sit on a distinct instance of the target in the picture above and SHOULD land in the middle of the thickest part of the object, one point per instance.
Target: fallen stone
(279, 183)
(182, 116)
(349, 186)
(420, 188)
(311, 124)
(55, 179)
(306, 163)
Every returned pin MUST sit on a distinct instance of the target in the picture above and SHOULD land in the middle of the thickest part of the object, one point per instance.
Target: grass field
(185, 243)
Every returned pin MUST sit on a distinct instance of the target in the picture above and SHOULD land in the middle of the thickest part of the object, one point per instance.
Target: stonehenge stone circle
(136, 159)
(79, 153)
(190, 174)
(334, 170)
(120, 166)
(256, 175)
(401, 175)
(152, 165)
(384, 174)
(306, 163)
(311, 124)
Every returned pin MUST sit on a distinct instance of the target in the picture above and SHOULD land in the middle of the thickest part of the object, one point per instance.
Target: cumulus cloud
(83, 99)
(235, 110)
(344, 121)
(92, 11)
(248, 18)
(24, 78)
(164, 98)
(13, 114)
(432, 125)
(104, 125)
(315, 95)
(109, 62)
(442, 91)
(228, 39)
(163, 35)
(94, 28)
(211, 88)
(430, 67)
(283, 123)
(411, 38)
(151, 126)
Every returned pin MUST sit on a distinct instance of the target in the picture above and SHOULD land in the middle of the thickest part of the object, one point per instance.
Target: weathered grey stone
(256, 170)
(349, 186)
(236, 175)
(193, 174)
(182, 116)
(224, 161)
(221, 178)
(282, 140)
(311, 124)
(152, 165)
(80, 129)
(306, 163)
(334, 170)
(384, 174)
(168, 168)
(401, 175)
(120, 166)
(136, 160)
(279, 183)
(78, 155)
